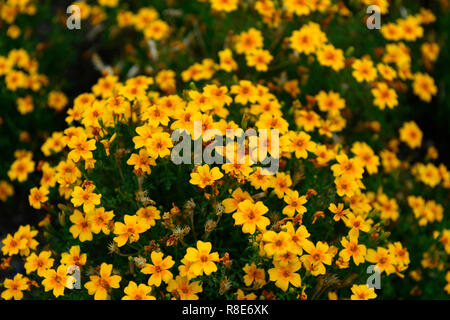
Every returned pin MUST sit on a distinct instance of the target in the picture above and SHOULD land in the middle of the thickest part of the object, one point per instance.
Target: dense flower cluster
(351, 190)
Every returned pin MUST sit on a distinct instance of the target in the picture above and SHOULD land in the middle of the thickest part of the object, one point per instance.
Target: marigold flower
(294, 203)
(184, 289)
(202, 261)
(12, 244)
(253, 274)
(364, 70)
(74, 257)
(283, 275)
(100, 286)
(159, 269)
(100, 220)
(352, 250)
(14, 287)
(129, 230)
(39, 263)
(82, 226)
(135, 292)
(317, 256)
(411, 134)
(250, 216)
(204, 177)
(38, 196)
(85, 197)
(81, 148)
(56, 280)
(362, 292)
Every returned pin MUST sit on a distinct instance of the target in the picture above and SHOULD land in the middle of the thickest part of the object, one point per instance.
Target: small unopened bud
(62, 218)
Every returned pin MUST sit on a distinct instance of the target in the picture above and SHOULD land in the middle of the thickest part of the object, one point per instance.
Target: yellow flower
(364, 70)
(135, 292)
(6, 190)
(149, 215)
(39, 263)
(14, 287)
(330, 102)
(100, 286)
(25, 105)
(366, 156)
(298, 238)
(245, 92)
(430, 51)
(85, 197)
(204, 177)
(300, 144)
(411, 134)
(202, 261)
(258, 180)
(108, 3)
(356, 223)
(181, 287)
(38, 196)
(224, 5)
(352, 250)
(362, 292)
(283, 275)
(141, 162)
(159, 269)
(259, 59)
(12, 245)
(74, 257)
(159, 145)
(281, 183)
(253, 274)
(100, 220)
(295, 203)
(347, 167)
(21, 168)
(329, 56)
(250, 216)
(217, 95)
(345, 186)
(384, 96)
(81, 148)
(157, 30)
(424, 86)
(57, 100)
(26, 233)
(317, 256)
(429, 174)
(129, 230)
(401, 254)
(231, 204)
(383, 259)
(338, 211)
(275, 243)
(248, 41)
(56, 280)
(411, 29)
(240, 295)
(82, 226)
(227, 62)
